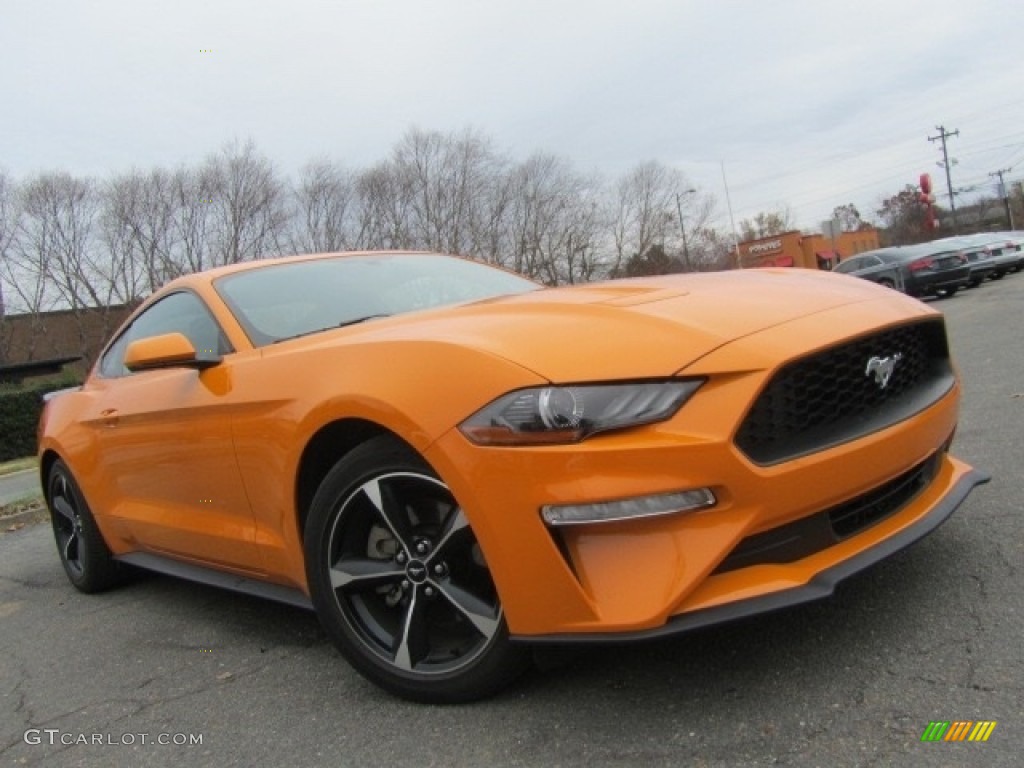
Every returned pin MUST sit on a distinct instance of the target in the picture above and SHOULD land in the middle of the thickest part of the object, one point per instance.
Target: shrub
(19, 415)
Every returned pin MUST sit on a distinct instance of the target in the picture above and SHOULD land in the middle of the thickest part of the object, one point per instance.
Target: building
(65, 333)
(810, 251)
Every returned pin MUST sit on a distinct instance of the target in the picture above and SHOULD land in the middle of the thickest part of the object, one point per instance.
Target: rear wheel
(85, 556)
(887, 283)
(399, 581)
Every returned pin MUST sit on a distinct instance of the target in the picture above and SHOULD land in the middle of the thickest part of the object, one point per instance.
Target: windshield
(289, 299)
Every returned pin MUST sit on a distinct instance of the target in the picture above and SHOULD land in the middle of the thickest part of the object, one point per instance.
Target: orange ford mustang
(448, 462)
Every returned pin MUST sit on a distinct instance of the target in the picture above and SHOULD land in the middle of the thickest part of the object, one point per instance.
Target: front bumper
(820, 586)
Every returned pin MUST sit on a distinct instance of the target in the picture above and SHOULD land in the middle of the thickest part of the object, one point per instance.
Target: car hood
(637, 328)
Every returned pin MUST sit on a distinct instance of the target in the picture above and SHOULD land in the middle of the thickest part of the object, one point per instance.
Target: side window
(183, 312)
(849, 265)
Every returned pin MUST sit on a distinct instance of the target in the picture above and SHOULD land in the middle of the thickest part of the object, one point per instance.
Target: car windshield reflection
(286, 300)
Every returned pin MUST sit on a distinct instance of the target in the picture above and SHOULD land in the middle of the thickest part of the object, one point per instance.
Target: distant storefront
(809, 251)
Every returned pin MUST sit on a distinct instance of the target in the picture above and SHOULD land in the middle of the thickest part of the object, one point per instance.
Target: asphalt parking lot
(932, 634)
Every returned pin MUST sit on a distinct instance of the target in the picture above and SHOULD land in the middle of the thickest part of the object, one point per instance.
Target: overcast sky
(808, 105)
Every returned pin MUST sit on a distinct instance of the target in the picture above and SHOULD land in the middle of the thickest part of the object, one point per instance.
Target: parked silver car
(990, 254)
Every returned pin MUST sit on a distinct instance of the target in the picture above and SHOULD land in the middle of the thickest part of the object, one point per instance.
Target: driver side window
(183, 312)
(849, 265)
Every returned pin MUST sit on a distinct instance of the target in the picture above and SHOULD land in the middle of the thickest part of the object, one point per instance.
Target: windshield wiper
(342, 324)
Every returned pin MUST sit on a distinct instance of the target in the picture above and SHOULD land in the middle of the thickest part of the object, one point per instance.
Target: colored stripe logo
(958, 730)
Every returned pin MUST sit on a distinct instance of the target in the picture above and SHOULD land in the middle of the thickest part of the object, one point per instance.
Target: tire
(948, 293)
(399, 583)
(84, 554)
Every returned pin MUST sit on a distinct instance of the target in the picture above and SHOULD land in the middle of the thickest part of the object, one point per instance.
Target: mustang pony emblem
(882, 368)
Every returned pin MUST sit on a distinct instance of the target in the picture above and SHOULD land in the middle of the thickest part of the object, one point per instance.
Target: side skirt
(210, 577)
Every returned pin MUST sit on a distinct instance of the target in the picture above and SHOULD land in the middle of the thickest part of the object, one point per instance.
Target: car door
(165, 446)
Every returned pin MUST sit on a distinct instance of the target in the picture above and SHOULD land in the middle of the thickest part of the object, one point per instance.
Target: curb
(11, 523)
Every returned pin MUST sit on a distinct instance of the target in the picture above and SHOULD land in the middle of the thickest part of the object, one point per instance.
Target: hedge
(19, 416)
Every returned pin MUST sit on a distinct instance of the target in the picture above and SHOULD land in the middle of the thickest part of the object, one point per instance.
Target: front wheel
(400, 583)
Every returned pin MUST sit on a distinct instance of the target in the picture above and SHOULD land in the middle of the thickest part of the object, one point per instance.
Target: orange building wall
(809, 251)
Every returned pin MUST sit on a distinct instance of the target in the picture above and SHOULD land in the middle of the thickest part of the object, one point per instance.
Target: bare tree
(326, 218)
(248, 204)
(7, 227)
(713, 250)
(766, 224)
(49, 258)
(904, 218)
(849, 218)
(699, 241)
(73, 243)
(582, 259)
(191, 194)
(384, 204)
(553, 221)
(137, 229)
(647, 210)
(448, 181)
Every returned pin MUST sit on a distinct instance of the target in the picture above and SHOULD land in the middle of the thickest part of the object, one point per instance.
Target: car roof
(907, 252)
(978, 240)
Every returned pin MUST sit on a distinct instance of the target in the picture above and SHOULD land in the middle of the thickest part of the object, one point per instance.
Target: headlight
(569, 414)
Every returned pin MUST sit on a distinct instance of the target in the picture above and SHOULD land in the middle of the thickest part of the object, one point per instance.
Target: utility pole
(732, 221)
(682, 228)
(1003, 193)
(943, 135)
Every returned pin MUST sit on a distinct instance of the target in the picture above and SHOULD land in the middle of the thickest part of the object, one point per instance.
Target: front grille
(831, 397)
(802, 538)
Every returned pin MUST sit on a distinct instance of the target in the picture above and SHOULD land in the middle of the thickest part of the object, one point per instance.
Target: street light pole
(682, 228)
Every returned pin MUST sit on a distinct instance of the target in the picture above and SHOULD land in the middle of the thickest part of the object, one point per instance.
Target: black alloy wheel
(400, 583)
(85, 556)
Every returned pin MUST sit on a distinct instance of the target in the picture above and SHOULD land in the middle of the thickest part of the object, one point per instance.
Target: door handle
(109, 417)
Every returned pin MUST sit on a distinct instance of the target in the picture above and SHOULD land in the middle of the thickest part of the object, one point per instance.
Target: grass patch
(17, 465)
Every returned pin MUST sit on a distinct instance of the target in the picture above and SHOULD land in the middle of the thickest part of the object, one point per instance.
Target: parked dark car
(917, 270)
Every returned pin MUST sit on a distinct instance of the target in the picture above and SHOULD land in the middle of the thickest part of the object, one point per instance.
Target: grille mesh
(830, 397)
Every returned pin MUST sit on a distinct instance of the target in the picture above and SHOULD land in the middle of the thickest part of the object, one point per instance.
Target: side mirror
(165, 351)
